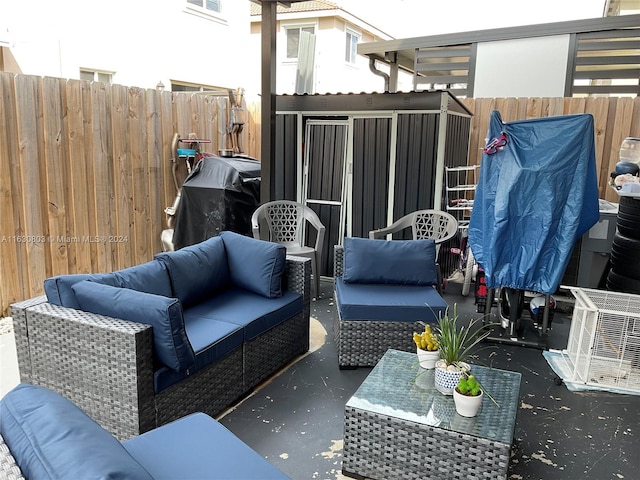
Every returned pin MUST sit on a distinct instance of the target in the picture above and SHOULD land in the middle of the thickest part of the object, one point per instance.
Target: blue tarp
(535, 197)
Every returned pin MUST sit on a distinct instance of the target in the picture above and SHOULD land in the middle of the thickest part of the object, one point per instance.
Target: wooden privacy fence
(85, 174)
(85, 170)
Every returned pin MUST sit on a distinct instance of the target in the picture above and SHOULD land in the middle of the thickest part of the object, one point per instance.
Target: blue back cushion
(397, 262)
(198, 271)
(255, 265)
(59, 292)
(52, 438)
(164, 314)
(150, 277)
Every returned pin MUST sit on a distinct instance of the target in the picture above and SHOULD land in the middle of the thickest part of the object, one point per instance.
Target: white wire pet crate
(604, 340)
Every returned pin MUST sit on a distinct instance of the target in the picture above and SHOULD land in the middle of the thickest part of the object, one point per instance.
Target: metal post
(268, 101)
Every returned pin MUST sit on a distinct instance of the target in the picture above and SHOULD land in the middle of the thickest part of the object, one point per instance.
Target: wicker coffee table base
(382, 447)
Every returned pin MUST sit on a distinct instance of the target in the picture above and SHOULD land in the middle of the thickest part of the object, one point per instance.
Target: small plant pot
(446, 380)
(465, 405)
(428, 358)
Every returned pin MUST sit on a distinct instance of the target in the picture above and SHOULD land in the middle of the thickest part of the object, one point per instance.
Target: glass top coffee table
(397, 425)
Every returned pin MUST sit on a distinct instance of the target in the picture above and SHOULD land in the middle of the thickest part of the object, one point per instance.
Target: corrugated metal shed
(362, 161)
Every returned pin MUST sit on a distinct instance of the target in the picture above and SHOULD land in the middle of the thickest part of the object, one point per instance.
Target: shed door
(325, 158)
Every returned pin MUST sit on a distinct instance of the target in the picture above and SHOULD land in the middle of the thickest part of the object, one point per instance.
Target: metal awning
(402, 52)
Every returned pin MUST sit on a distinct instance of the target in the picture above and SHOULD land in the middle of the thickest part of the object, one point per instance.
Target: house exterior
(331, 63)
(178, 45)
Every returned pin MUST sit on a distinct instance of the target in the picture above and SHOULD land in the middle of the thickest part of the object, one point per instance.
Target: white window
(351, 46)
(293, 39)
(208, 5)
(96, 75)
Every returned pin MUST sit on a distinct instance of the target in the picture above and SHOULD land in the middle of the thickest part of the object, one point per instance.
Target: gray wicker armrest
(19, 317)
(104, 365)
(298, 275)
(338, 260)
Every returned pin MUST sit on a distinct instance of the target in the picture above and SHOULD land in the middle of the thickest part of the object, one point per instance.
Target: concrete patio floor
(296, 420)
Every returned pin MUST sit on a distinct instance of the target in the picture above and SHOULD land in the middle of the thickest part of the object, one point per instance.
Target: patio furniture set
(192, 331)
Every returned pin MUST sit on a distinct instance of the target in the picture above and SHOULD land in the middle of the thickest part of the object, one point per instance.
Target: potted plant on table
(456, 345)
(468, 396)
(427, 347)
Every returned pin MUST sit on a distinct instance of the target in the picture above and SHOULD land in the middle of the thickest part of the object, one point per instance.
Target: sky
(416, 18)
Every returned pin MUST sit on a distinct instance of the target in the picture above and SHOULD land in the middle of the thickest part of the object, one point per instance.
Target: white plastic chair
(285, 221)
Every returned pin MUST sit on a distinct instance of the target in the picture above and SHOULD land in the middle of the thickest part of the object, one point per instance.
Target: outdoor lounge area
(234, 273)
(296, 418)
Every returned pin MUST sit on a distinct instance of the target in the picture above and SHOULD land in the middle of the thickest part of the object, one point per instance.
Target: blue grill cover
(535, 197)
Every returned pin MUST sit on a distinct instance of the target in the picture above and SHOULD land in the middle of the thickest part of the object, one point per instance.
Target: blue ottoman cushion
(379, 302)
(213, 452)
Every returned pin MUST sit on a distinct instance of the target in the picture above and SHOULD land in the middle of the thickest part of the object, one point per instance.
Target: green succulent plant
(468, 385)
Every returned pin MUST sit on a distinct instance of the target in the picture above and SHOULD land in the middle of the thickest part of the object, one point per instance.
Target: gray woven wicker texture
(9, 470)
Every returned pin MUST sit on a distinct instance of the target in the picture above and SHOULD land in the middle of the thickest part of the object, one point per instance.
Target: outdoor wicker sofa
(384, 291)
(131, 377)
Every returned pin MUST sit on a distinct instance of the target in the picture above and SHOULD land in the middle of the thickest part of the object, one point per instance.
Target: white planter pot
(467, 406)
(446, 379)
(427, 358)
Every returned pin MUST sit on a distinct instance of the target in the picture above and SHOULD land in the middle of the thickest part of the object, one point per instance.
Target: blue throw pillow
(50, 437)
(164, 314)
(398, 262)
(198, 271)
(255, 265)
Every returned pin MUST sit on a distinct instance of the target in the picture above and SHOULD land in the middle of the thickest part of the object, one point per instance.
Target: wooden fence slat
(12, 271)
(79, 178)
(598, 108)
(55, 241)
(28, 97)
(139, 173)
(155, 161)
(102, 160)
(122, 176)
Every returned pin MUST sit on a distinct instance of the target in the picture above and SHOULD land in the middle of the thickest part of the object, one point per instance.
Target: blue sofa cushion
(398, 262)
(164, 314)
(379, 302)
(52, 438)
(255, 314)
(59, 292)
(212, 450)
(255, 265)
(198, 271)
(150, 277)
(211, 340)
